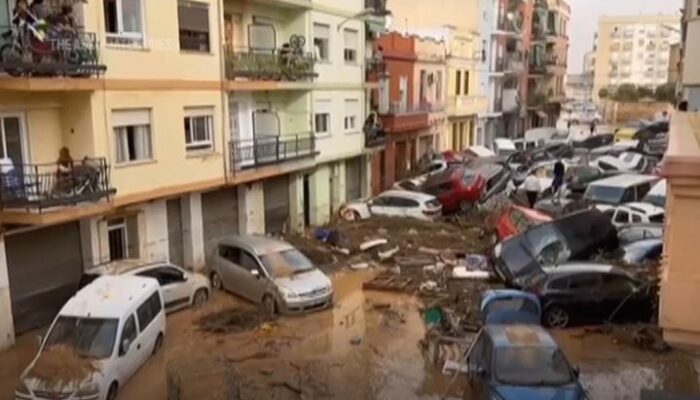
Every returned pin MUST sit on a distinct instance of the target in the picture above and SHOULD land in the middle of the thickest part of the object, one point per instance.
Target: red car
(515, 220)
(457, 188)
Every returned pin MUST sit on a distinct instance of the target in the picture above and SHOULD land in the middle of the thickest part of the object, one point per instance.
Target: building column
(155, 224)
(90, 242)
(339, 192)
(251, 208)
(296, 202)
(367, 175)
(193, 231)
(319, 186)
(7, 329)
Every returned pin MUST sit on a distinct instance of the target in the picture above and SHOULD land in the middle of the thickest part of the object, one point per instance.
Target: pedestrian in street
(532, 188)
(593, 127)
(558, 180)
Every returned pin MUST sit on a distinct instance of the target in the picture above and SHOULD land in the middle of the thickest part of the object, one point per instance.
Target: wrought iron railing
(267, 150)
(41, 186)
(67, 53)
(268, 64)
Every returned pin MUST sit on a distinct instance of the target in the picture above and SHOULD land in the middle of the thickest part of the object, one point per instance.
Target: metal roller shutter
(219, 216)
(45, 266)
(175, 243)
(276, 192)
(353, 179)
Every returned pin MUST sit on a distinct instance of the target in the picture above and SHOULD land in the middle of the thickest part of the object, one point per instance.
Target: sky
(584, 21)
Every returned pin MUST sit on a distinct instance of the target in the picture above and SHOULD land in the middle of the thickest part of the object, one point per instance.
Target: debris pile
(60, 366)
(232, 320)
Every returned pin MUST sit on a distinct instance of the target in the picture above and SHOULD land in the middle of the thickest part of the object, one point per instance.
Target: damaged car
(642, 251)
(394, 203)
(507, 306)
(514, 220)
(577, 236)
(631, 233)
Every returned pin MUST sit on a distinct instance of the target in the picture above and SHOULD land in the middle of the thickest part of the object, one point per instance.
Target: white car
(625, 162)
(637, 212)
(394, 203)
(181, 288)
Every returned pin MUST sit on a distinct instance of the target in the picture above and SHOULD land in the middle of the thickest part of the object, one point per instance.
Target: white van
(100, 338)
(504, 147)
(619, 189)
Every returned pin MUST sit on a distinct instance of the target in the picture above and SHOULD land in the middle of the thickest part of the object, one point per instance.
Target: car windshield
(286, 263)
(547, 244)
(604, 194)
(657, 200)
(532, 366)
(88, 337)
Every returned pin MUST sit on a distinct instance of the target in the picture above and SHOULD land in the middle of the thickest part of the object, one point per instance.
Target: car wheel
(268, 305)
(113, 391)
(158, 345)
(556, 317)
(200, 297)
(216, 281)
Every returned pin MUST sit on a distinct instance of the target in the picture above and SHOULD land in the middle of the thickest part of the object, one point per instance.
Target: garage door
(45, 266)
(276, 204)
(353, 179)
(175, 244)
(219, 216)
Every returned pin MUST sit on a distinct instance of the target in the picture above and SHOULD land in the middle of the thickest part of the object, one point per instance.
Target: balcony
(401, 118)
(269, 150)
(536, 100)
(39, 187)
(537, 68)
(375, 136)
(514, 63)
(66, 54)
(378, 7)
(497, 104)
(375, 69)
(286, 64)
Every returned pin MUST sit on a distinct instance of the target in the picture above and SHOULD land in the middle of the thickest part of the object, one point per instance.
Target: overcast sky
(584, 21)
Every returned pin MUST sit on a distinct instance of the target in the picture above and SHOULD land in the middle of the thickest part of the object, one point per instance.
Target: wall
(7, 330)
(691, 61)
(287, 22)
(431, 59)
(412, 14)
(340, 143)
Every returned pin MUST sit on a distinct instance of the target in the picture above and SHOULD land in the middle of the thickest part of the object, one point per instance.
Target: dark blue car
(520, 362)
(507, 306)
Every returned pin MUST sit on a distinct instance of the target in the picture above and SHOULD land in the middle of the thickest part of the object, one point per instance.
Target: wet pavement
(366, 347)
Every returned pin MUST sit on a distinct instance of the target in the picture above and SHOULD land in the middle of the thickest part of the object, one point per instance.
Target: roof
(645, 208)
(122, 266)
(418, 196)
(109, 296)
(625, 180)
(260, 245)
(519, 336)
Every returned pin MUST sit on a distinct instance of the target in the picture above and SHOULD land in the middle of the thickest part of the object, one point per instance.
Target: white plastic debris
(372, 243)
(464, 273)
(359, 266)
(453, 367)
(385, 255)
(428, 285)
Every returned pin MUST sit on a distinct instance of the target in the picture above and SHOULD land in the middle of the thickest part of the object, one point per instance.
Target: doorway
(307, 200)
(12, 139)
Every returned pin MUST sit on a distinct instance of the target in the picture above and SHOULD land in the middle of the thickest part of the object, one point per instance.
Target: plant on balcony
(290, 63)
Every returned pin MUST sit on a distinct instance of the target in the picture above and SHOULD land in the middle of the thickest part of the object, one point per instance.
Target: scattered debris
(232, 320)
(412, 232)
(341, 250)
(359, 266)
(417, 261)
(427, 250)
(372, 243)
(428, 286)
(465, 273)
(454, 367)
(386, 255)
(388, 282)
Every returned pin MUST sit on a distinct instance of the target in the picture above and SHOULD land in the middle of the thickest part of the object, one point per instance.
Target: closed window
(350, 39)
(322, 39)
(132, 131)
(193, 20)
(199, 129)
(124, 21)
(322, 117)
(149, 310)
(129, 334)
(352, 110)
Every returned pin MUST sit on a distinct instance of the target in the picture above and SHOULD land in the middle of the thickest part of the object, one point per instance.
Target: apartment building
(634, 50)
(160, 127)
(466, 104)
(589, 59)
(549, 47)
(690, 63)
(579, 87)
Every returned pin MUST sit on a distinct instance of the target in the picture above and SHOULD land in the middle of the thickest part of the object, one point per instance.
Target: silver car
(269, 272)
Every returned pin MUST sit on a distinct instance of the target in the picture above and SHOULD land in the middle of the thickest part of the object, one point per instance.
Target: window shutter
(266, 124)
(131, 117)
(262, 36)
(193, 16)
(322, 31)
(350, 38)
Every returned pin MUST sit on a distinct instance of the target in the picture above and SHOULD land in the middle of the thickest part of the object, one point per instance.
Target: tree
(604, 93)
(666, 92)
(626, 92)
(643, 91)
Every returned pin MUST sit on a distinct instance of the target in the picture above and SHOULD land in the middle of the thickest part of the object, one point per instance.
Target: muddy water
(361, 349)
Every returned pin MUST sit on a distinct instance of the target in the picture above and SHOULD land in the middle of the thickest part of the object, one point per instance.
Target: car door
(409, 208)
(617, 300)
(175, 288)
(229, 270)
(584, 296)
(476, 374)
(256, 283)
(129, 351)
(146, 315)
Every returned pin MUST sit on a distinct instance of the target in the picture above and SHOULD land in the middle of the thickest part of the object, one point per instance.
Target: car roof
(625, 180)
(259, 245)
(488, 170)
(644, 244)
(519, 336)
(646, 208)
(504, 144)
(123, 266)
(573, 268)
(642, 225)
(659, 188)
(418, 196)
(109, 296)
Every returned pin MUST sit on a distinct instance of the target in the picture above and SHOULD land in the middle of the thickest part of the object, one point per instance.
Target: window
(587, 281)
(352, 111)
(322, 117)
(122, 238)
(129, 334)
(622, 217)
(199, 129)
(636, 218)
(124, 22)
(322, 38)
(458, 83)
(148, 311)
(617, 284)
(466, 83)
(164, 275)
(697, 8)
(248, 262)
(193, 22)
(350, 50)
(132, 131)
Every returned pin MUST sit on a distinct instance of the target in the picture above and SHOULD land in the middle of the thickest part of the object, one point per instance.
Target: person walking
(532, 189)
(558, 180)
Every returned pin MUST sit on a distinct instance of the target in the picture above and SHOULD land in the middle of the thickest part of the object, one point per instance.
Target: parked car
(269, 272)
(457, 189)
(516, 362)
(544, 153)
(578, 177)
(594, 141)
(587, 292)
(99, 325)
(652, 131)
(180, 288)
(394, 203)
(507, 306)
(619, 189)
(576, 236)
(515, 220)
(637, 212)
(642, 251)
(625, 162)
(497, 177)
(631, 233)
(657, 194)
(614, 149)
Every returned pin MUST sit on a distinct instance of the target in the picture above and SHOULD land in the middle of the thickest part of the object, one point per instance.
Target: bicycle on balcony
(292, 57)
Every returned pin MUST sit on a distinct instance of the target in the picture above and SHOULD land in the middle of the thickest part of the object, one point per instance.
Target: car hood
(304, 282)
(568, 392)
(35, 384)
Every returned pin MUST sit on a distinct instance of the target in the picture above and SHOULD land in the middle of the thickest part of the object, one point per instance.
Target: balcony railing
(375, 68)
(65, 53)
(375, 135)
(269, 64)
(268, 150)
(42, 186)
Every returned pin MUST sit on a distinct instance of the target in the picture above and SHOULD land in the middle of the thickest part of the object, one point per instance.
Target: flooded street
(366, 347)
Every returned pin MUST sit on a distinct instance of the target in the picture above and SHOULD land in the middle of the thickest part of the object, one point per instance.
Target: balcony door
(240, 111)
(12, 141)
